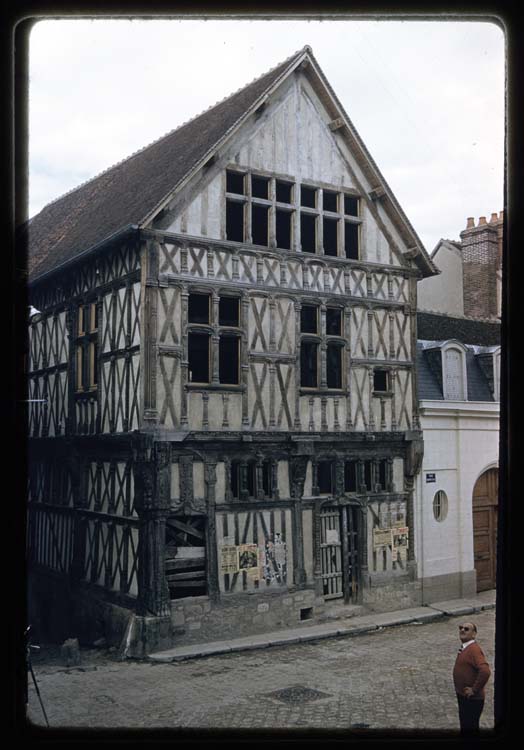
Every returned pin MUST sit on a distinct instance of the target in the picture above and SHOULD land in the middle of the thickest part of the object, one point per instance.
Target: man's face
(466, 632)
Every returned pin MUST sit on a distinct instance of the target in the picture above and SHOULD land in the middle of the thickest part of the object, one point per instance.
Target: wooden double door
(485, 509)
(339, 537)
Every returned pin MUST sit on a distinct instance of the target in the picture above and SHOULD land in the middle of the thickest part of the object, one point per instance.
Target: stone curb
(369, 624)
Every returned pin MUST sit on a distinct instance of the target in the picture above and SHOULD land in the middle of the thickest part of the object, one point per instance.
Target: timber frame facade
(224, 433)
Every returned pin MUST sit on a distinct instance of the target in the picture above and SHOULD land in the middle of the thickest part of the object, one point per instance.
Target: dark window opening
(283, 229)
(228, 360)
(284, 192)
(198, 355)
(329, 201)
(334, 321)
(350, 476)
(266, 478)
(306, 613)
(235, 479)
(308, 364)
(228, 311)
(260, 187)
(308, 234)
(259, 225)
(325, 477)
(351, 241)
(334, 366)
(380, 380)
(234, 221)
(330, 236)
(250, 479)
(242, 479)
(198, 308)
(93, 380)
(350, 205)
(308, 197)
(367, 475)
(235, 183)
(309, 319)
(382, 474)
(185, 556)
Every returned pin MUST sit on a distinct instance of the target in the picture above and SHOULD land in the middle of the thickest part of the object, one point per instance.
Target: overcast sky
(427, 98)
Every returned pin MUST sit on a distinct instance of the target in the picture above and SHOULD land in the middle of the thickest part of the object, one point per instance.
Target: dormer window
(454, 379)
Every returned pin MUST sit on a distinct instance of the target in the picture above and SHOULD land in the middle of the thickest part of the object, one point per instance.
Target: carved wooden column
(210, 478)
(152, 472)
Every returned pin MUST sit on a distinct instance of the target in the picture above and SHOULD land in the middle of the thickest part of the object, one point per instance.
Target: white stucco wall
(443, 293)
(460, 443)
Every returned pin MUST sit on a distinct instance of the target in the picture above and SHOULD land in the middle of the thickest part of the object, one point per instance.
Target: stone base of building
(451, 586)
(386, 592)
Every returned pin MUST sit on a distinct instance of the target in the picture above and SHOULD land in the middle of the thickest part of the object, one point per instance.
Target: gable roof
(128, 194)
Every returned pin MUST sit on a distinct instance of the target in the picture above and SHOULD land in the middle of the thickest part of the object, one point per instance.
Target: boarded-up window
(185, 556)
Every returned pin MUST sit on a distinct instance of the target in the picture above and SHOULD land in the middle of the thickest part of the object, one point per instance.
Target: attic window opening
(330, 232)
(284, 192)
(235, 182)
(330, 201)
(260, 187)
(308, 197)
(283, 228)
(351, 205)
(308, 233)
(234, 221)
(229, 360)
(352, 240)
(259, 225)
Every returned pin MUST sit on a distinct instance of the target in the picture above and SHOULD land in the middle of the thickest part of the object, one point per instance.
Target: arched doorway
(485, 505)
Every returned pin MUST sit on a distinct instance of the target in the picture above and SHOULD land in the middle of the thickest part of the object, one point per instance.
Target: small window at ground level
(325, 477)
(235, 183)
(198, 356)
(350, 205)
(228, 364)
(380, 380)
(228, 311)
(309, 319)
(284, 192)
(259, 224)
(351, 240)
(330, 231)
(308, 197)
(334, 365)
(308, 364)
(308, 233)
(260, 187)
(350, 476)
(440, 505)
(198, 308)
(234, 221)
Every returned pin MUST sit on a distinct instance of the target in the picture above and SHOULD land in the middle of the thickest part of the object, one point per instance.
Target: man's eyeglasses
(461, 627)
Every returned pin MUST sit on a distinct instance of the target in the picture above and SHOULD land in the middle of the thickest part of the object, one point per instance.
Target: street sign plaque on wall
(431, 477)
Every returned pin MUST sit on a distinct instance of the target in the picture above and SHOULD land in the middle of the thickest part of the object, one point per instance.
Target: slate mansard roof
(129, 194)
(476, 335)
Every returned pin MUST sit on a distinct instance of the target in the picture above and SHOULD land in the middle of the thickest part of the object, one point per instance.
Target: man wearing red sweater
(470, 674)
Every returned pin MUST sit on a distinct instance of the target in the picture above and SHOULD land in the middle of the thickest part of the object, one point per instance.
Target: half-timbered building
(223, 411)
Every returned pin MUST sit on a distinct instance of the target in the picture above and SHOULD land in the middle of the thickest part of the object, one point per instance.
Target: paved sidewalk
(351, 626)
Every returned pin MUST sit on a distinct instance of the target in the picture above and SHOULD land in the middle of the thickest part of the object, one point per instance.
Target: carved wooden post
(152, 471)
(210, 478)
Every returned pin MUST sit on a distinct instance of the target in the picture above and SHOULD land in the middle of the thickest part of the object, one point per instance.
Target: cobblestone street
(395, 678)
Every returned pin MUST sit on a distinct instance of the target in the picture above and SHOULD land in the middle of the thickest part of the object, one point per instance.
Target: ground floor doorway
(339, 535)
(485, 507)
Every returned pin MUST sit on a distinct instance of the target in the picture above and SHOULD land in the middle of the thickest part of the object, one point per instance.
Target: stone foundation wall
(387, 594)
(197, 619)
(452, 586)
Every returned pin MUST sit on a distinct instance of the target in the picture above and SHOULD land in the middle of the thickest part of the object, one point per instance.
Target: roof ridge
(304, 49)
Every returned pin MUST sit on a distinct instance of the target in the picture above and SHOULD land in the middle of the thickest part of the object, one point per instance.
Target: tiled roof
(440, 327)
(128, 192)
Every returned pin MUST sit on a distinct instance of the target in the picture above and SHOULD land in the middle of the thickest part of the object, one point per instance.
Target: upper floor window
(87, 347)
(203, 366)
(272, 212)
(321, 337)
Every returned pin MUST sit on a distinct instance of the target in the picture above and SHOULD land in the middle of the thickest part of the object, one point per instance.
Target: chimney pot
(482, 220)
(471, 222)
(494, 217)
(501, 215)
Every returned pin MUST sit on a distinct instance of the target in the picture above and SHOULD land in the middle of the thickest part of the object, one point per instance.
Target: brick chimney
(481, 259)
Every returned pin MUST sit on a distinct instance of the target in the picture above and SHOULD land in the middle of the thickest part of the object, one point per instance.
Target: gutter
(119, 234)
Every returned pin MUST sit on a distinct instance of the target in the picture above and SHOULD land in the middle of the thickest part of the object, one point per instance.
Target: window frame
(454, 345)
(86, 344)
